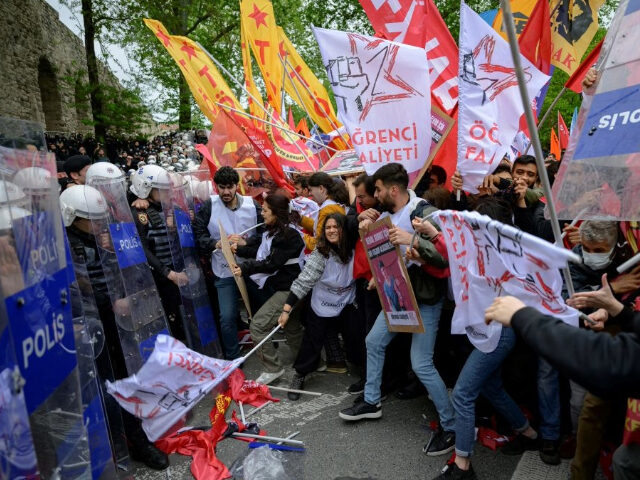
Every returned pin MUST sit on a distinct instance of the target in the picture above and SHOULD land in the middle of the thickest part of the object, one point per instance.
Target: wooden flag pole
(535, 138)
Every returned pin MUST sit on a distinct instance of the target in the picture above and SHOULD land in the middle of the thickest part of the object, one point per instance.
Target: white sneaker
(267, 377)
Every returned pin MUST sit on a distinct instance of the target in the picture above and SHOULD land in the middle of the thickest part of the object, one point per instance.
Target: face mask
(597, 261)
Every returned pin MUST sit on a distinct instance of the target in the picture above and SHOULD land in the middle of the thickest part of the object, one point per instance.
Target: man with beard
(237, 214)
(391, 182)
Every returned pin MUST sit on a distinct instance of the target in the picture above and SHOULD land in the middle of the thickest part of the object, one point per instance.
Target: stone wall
(37, 54)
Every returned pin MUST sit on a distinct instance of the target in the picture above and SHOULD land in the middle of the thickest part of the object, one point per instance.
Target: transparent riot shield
(35, 291)
(200, 186)
(134, 298)
(200, 327)
(101, 411)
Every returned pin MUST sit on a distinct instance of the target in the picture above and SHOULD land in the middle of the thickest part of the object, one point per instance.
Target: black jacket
(145, 219)
(285, 246)
(205, 243)
(605, 365)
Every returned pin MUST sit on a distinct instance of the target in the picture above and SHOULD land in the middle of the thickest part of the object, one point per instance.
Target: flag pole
(267, 122)
(535, 139)
(258, 102)
(315, 100)
(284, 67)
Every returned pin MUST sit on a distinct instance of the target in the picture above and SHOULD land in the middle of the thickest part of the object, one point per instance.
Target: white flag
(171, 382)
(489, 103)
(382, 90)
(488, 259)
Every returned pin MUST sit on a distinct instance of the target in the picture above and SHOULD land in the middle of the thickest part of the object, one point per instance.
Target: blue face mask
(597, 261)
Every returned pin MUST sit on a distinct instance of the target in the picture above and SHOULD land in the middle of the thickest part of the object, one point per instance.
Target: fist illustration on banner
(348, 81)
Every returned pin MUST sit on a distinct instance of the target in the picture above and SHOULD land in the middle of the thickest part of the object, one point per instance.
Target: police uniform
(152, 228)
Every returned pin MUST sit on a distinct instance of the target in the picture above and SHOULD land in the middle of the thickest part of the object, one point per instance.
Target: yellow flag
(573, 25)
(256, 107)
(205, 82)
(313, 96)
(258, 20)
(521, 12)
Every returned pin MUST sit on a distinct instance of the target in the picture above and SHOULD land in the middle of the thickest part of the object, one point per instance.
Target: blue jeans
(481, 374)
(422, 345)
(228, 301)
(548, 400)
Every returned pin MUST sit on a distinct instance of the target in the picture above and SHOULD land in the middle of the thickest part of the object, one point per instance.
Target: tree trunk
(92, 70)
(184, 107)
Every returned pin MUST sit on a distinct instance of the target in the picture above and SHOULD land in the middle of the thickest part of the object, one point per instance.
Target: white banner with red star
(382, 92)
(489, 104)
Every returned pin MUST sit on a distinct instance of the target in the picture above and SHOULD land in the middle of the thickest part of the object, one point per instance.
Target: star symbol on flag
(188, 49)
(259, 16)
(163, 38)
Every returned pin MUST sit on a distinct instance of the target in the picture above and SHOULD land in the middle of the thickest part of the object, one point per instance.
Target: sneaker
(451, 470)
(361, 410)
(519, 445)
(357, 388)
(297, 383)
(267, 377)
(337, 367)
(147, 453)
(549, 452)
(360, 398)
(440, 443)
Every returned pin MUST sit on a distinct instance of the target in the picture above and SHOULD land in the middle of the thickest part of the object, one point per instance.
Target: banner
(419, 23)
(381, 89)
(256, 106)
(490, 106)
(305, 89)
(171, 382)
(260, 30)
(599, 177)
(521, 10)
(573, 25)
(392, 279)
(488, 259)
(205, 82)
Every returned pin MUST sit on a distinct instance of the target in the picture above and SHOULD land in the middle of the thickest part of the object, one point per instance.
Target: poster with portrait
(392, 279)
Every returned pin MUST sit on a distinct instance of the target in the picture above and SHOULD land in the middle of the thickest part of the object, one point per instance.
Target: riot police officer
(82, 208)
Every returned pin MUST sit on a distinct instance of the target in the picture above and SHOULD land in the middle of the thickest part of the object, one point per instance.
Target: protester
(241, 217)
(76, 167)
(272, 265)
(328, 274)
(391, 183)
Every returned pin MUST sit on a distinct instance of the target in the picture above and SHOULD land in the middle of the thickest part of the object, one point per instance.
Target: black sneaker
(360, 411)
(297, 383)
(357, 388)
(440, 443)
(519, 445)
(147, 453)
(451, 470)
(549, 452)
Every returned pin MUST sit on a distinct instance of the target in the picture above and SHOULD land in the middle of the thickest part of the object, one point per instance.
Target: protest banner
(381, 89)
(488, 259)
(490, 107)
(391, 279)
(420, 24)
(171, 382)
(600, 173)
(231, 260)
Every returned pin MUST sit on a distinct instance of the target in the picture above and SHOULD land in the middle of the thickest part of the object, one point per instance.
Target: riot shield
(200, 327)
(35, 294)
(134, 298)
(101, 411)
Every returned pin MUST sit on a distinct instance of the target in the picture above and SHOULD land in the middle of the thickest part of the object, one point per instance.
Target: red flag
(291, 121)
(248, 391)
(535, 40)
(420, 24)
(555, 144)
(575, 81)
(563, 132)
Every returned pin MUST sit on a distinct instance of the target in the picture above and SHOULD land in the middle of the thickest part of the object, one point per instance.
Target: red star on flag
(163, 38)
(259, 16)
(188, 49)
